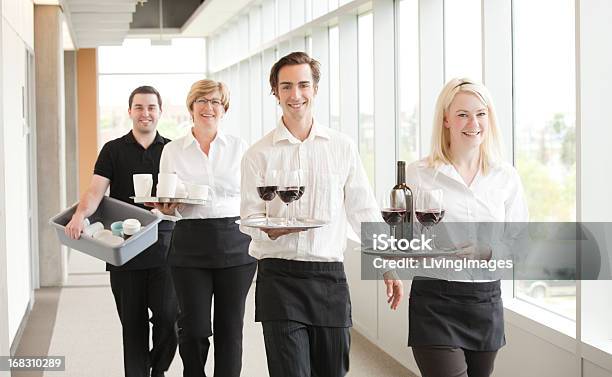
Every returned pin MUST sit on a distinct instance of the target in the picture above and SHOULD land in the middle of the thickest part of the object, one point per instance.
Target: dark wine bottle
(401, 188)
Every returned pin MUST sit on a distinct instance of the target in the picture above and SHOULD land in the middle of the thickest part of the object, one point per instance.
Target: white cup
(166, 185)
(131, 227)
(200, 192)
(111, 240)
(143, 183)
(91, 229)
(102, 233)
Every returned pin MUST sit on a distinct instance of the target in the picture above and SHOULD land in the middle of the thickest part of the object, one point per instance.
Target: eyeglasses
(213, 102)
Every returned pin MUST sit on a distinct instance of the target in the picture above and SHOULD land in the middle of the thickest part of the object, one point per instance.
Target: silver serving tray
(155, 199)
(279, 223)
(408, 254)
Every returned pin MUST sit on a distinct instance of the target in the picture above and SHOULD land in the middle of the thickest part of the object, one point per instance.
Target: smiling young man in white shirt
(302, 296)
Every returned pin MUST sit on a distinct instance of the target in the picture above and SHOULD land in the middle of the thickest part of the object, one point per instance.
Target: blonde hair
(205, 87)
(491, 147)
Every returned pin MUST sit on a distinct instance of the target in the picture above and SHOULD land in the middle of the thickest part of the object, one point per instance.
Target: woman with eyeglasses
(456, 325)
(208, 254)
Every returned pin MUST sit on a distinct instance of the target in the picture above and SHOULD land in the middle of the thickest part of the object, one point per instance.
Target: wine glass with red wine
(266, 188)
(290, 190)
(429, 211)
(393, 215)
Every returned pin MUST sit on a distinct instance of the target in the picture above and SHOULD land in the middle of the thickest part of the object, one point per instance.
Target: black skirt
(313, 293)
(209, 243)
(456, 314)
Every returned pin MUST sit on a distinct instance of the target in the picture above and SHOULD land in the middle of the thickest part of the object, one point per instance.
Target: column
(87, 113)
(50, 139)
(72, 134)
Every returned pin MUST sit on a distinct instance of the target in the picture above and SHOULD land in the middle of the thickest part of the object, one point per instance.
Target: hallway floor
(80, 321)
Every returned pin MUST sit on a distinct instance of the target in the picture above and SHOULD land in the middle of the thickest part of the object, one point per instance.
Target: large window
(308, 44)
(366, 93)
(408, 71)
(170, 69)
(545, 128)
(334, 78)
(463, 39)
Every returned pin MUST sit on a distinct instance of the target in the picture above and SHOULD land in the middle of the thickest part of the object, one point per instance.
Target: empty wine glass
(393, 215)
(429, 211)
(267, 184)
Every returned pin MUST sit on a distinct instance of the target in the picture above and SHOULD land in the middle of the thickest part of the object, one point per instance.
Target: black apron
(457, 314)
(209, 243)
(313, 293)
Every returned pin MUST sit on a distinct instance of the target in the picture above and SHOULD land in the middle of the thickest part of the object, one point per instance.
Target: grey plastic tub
(109, 211)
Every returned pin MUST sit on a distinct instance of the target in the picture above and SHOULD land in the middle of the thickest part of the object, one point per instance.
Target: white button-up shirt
(220, 170)
(496, 197)
(336, 190)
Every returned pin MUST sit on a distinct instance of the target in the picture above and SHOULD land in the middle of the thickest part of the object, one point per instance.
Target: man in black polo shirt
(144, 282)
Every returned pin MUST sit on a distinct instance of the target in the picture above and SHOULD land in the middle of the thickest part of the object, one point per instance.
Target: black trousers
(195, 288)
(137, 291)
(294, 349)
(434, 361)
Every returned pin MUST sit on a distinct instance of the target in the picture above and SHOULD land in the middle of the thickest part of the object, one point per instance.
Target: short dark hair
(145, 90)
(294, 58)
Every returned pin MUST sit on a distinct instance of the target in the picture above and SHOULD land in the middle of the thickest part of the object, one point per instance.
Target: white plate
(279, 223)
(155, 199)
(408, 254)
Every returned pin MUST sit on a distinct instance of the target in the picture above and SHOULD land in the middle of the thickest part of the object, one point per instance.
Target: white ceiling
(96, 23)
(211, 15)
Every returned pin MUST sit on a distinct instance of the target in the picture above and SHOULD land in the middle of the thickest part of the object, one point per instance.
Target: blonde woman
(456, 327)
(209, 255)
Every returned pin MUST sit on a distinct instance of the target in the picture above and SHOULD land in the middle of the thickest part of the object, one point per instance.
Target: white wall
(533, 356)
(4, 337)
(594, 92)
(592, 370)
(594, 130)
(17, 35)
